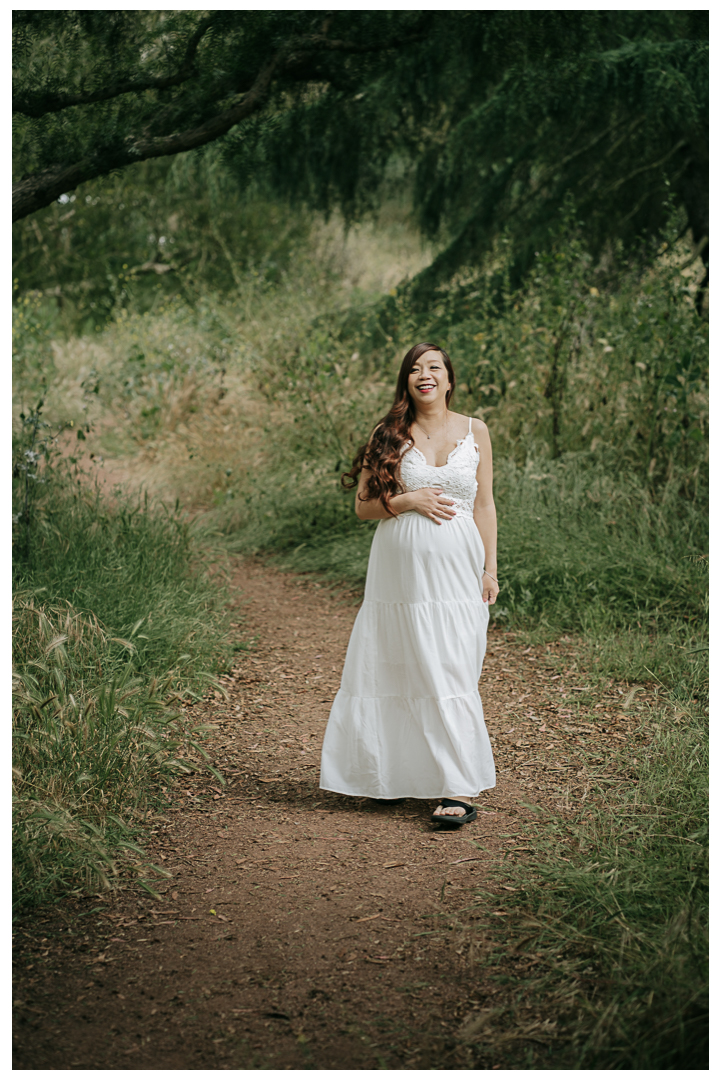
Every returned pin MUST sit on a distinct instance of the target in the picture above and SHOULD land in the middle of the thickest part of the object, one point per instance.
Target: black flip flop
(451, 821)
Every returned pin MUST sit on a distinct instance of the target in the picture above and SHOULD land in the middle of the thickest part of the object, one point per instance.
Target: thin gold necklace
(434, 432)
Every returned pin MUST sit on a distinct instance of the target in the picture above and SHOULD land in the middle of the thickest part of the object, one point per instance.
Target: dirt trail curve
(303, 929)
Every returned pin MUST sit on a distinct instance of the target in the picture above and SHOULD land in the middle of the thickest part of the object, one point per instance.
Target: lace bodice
(456, 477)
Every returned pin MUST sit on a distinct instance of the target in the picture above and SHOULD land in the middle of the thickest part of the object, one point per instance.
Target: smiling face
(428, 381)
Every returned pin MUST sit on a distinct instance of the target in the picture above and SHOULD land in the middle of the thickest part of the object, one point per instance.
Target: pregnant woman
(407, 721)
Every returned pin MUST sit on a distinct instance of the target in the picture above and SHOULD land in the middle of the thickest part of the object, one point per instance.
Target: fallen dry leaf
(369, 918)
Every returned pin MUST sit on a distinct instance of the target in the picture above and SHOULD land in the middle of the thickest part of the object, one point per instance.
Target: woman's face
(428, 381)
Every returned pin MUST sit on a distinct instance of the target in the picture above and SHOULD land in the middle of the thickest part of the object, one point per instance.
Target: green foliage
(33, 448)
(91, 740)
(128, 564)
(92, 96)
(622, 924)
(114, 617)
(492, 118)
(495, 118)
(579, 538)
(135, 240)
(608, 358)
(595, 392)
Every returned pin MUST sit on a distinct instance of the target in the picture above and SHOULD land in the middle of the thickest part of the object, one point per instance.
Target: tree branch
(38, 105)
(34, 192)
(645, 168)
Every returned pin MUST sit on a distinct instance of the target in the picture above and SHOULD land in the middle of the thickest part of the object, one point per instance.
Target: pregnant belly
(414, 560)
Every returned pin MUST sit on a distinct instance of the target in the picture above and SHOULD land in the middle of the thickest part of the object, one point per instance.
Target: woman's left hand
(490, 589)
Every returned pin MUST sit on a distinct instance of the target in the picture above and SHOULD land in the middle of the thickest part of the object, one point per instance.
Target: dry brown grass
(204, 378)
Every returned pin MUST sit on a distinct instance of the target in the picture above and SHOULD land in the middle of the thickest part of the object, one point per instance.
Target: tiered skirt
(408, 719)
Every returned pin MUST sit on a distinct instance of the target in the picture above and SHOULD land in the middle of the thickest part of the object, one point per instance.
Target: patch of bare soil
(302, 929)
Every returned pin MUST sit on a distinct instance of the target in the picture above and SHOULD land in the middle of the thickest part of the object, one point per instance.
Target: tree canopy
(100, 90)
(493, 118)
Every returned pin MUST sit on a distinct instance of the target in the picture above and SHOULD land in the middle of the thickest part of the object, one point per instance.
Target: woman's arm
(428, 501)
(484, 510)
(373, 509)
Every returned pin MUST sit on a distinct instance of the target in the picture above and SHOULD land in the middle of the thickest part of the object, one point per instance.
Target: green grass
(137, 567)
(620, 924)
(115, 617)
(578, 544)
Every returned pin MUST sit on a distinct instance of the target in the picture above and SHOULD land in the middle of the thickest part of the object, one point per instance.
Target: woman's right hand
(433, 504)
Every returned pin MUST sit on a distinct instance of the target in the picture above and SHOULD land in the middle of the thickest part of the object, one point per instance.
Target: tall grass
(581, 548)
(620, 923)
(138, 567)
(91, 740)
(115, 618)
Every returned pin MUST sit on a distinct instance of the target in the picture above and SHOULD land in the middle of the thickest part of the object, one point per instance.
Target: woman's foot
(452, 813)
(449, 811)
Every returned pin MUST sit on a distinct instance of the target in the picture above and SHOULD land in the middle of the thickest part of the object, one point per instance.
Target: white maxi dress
(407, 721)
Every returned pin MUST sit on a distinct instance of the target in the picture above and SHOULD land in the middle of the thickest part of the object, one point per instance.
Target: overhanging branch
(34, 192)
(39, 190)
(41, 104)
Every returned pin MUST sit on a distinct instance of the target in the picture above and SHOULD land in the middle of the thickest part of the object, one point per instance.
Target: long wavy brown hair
(382, 453)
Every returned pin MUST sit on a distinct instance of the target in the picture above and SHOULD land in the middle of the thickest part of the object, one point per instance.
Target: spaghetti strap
(469, 425)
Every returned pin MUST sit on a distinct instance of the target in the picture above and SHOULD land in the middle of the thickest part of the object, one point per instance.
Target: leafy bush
(607, 357)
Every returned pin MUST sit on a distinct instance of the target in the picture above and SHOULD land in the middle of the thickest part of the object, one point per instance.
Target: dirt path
(302, 929)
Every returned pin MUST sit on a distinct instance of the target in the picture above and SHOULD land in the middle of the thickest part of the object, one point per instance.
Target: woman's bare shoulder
(459, 422)
(479, 428)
